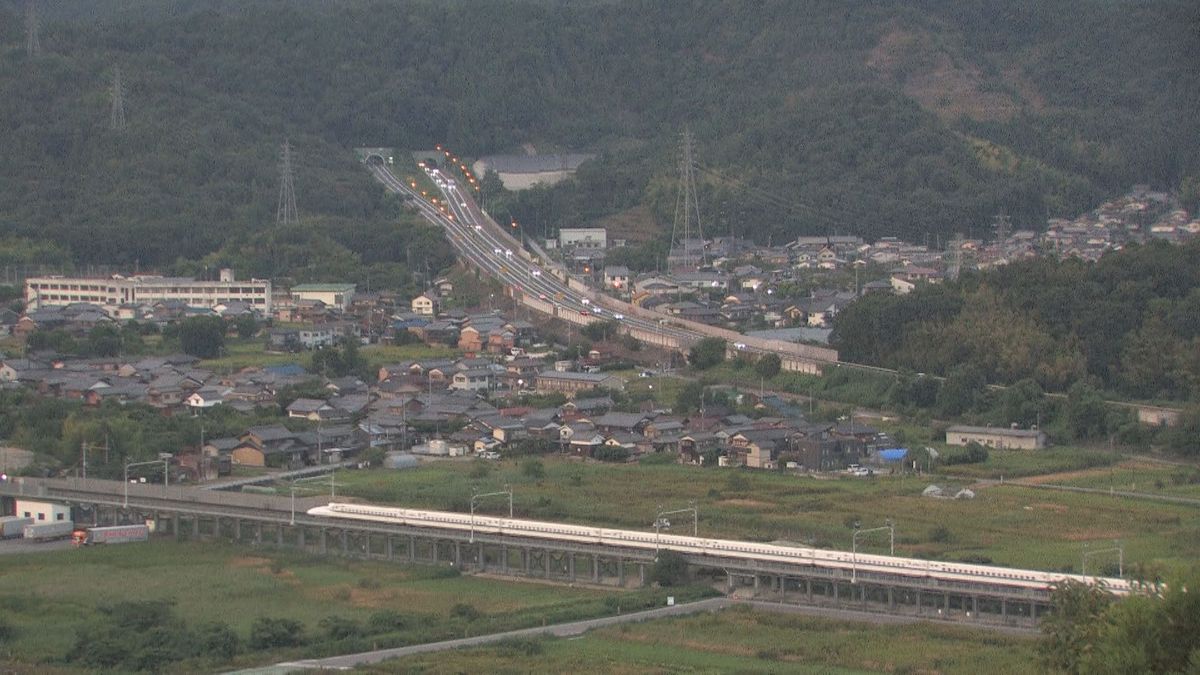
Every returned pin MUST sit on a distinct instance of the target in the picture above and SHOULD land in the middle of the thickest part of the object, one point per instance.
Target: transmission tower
(1003, 226)
(33, 47)
(118, 102)
(285, 212)
(956, 245)
(687, 237)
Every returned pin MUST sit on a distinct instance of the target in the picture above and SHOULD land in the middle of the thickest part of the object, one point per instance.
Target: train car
(843, 560)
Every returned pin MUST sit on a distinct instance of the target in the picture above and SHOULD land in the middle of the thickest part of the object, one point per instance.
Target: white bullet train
(949, 574)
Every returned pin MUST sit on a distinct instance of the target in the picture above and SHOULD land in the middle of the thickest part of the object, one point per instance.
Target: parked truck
(13, 527)
(116, 534)
(59, 529)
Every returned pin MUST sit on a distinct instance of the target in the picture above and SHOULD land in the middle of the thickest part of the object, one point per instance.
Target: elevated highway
(483, 244)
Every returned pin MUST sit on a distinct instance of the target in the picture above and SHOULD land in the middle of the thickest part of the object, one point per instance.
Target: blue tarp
(893, 454)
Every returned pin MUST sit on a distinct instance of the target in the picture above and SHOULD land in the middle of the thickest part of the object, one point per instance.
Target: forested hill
(1129, 323)
(880, 118)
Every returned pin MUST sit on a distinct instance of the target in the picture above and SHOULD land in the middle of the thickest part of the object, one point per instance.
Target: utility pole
(285, 211)
(33, 46)
(117, 121)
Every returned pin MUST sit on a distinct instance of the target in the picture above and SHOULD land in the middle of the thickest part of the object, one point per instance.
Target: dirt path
(1065, 477)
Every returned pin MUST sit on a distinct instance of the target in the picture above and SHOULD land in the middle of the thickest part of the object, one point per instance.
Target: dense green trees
(202, 336)
(800, 102)
(1128, 321)
(1092, 632)
(147, 635)
(707, 353)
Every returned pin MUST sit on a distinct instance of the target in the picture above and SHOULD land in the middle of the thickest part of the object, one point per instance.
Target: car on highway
(586, 301)
(739, 345)
(584, 312)
(619, 317)
(541, 296)
(479, 228)
(536, 273)
(497, 251)
(508, 253)
(462, 205)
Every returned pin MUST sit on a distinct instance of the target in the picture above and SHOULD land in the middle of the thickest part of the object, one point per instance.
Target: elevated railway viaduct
(188, 513)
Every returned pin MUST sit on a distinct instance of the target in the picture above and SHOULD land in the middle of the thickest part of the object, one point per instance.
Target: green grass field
(743, 641)
(1008, 524)
(1135, 475)
(238, 354)
(236, 585)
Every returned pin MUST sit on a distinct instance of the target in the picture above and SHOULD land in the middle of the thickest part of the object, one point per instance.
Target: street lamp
(890, 527)
(476, 497)
(165, 458)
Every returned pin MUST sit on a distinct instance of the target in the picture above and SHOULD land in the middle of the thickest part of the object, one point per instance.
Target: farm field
(209, 582)
(1133, 475)
(1005, 524)
(742, 640)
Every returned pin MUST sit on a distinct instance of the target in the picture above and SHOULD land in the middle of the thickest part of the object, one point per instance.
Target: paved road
(17, 546)
(578, 627)
(557, 630)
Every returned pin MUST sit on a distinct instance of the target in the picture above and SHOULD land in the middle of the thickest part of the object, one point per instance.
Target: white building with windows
(113, 292)
(590, 238)
(333, 295)
(42, 512)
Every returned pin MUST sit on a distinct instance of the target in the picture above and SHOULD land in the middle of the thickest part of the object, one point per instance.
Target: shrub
(973, 453)
(533, 468)
(522, 647)
(218, 641)
(479, 469)
(669, 570)
(386, 621)
(940, 534)
(465, 611)
(269, 632)
(657, 459)
(611, 453)
(340, 628)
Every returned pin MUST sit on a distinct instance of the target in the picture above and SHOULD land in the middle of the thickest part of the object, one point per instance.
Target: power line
(117, 121)
(285, 211)
(822, 216)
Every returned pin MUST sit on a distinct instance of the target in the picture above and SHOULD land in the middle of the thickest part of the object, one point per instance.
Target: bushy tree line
(1093, 632)
(1129, 323)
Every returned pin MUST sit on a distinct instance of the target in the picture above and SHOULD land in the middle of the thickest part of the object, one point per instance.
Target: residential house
(425, 304)
(272, 445)
(617, 277)
(314, 410)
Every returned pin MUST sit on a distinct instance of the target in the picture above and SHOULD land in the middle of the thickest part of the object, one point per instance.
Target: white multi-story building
(113, 292)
